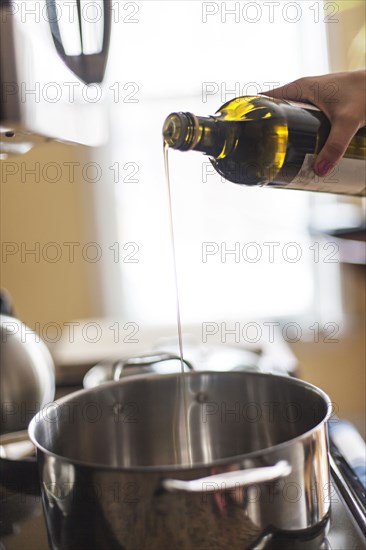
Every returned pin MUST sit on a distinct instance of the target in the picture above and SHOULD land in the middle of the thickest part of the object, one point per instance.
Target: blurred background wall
(42, 208)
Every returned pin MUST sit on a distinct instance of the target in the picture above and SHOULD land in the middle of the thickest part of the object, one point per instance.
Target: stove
(22, 525)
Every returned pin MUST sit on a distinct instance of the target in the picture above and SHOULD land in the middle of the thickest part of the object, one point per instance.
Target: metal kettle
(27, 374)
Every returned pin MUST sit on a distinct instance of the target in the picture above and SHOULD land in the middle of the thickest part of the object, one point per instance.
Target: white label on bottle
(308, 106)
(348, 177)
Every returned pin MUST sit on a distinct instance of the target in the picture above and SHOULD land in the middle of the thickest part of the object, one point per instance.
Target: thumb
(294, 91)
(339, 138)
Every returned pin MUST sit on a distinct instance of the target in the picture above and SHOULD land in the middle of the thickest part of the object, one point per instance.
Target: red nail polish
(323, 168)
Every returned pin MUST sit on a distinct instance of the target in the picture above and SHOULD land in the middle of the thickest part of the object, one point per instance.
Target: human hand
(342, 98)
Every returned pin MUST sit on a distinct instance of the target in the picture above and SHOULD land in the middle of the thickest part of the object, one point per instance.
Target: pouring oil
(172, 240)
(183, 393)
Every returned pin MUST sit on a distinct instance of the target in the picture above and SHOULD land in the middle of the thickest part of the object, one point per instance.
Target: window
(241, 253)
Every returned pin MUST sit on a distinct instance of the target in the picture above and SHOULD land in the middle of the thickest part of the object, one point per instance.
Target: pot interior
(177, 421)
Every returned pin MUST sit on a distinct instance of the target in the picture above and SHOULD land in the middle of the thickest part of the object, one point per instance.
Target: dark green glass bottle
(257, 140)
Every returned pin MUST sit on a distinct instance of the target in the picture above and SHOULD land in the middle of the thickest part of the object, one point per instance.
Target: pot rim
(185, 467)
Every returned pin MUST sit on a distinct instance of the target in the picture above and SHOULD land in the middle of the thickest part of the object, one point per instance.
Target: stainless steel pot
(218, 358)
(158, 362)
(204, 460)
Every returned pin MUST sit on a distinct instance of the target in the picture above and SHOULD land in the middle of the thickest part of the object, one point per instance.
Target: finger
(294, 91)
(339, 138)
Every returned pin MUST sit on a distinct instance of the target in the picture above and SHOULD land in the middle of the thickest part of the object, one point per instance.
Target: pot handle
(230, 480)
(145, 360)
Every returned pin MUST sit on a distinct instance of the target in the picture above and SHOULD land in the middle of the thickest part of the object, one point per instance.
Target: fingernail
(323, 168)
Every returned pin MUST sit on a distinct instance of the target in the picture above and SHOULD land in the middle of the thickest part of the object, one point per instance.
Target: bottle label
(308, 106)
(348, 177)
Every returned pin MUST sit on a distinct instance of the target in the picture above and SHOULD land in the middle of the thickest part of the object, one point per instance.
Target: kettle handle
(230, 480)
(6, 306)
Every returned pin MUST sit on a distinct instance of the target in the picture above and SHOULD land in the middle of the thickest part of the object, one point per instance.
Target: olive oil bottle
(257, 140)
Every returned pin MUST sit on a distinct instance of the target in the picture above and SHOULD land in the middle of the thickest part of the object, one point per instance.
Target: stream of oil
(186, 457)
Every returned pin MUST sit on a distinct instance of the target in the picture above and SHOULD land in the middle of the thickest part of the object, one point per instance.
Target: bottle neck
(187, 132)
